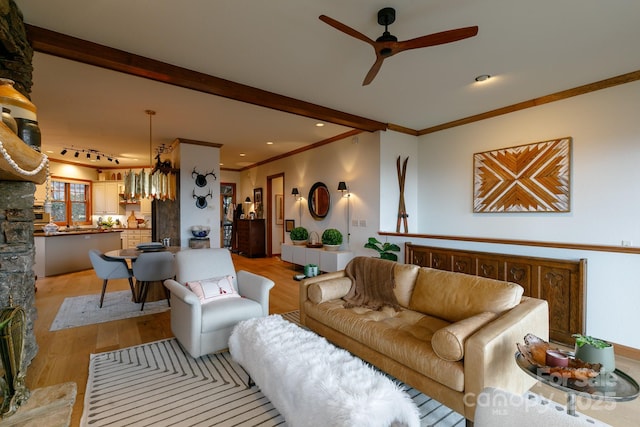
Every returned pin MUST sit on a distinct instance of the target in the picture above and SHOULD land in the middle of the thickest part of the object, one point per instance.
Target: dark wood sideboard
(251, 237)
(561, 282)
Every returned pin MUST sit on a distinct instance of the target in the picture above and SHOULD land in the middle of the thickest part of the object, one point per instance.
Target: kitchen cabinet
(62, 253)
(145, 206)
(106, 198)
(251, 239)
(132, 237)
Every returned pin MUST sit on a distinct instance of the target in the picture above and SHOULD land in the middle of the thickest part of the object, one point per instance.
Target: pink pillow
(213, 289)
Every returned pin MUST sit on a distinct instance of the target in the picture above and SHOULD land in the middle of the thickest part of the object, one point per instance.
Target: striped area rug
(159, 384)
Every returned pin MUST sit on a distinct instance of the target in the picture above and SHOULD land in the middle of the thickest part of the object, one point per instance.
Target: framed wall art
(279, 209)
(257, 202)
(527, 178)
(289, 224)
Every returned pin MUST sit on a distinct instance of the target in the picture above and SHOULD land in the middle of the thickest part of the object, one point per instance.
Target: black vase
(29, 132)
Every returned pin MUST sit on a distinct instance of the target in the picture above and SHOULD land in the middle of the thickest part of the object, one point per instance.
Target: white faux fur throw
(313, 383)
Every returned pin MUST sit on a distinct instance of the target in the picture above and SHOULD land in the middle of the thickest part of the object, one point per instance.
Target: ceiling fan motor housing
(386, 16)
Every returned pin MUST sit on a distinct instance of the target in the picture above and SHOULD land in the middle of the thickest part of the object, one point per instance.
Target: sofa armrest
(186, 316)
(181, 292)
(304, 287)
(255, 287)
(304, 284)
(490, 353)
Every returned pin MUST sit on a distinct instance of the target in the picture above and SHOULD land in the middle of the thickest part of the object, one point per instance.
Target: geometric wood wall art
(528, 178)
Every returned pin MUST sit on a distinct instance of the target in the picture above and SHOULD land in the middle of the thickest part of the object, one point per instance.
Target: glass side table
(613, 386)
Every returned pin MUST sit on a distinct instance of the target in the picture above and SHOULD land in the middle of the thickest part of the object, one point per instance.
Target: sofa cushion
(404, 336)
(456, 296)
(213, 289)
(327, 290)
(448, 342)
(404, 276)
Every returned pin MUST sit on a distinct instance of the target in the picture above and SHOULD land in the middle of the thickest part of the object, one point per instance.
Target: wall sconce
(247, 200)
(342, 187)
(295, 193)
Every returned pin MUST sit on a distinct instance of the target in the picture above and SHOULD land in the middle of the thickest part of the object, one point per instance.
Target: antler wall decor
(201, 201)
(201, 179)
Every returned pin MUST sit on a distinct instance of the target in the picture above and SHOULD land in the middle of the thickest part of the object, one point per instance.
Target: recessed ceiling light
(242, 154)
(319, 124)
(269, 142)
(483, 77)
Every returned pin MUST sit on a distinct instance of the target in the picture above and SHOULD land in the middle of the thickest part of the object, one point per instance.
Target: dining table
(133, 253)
(155, 293)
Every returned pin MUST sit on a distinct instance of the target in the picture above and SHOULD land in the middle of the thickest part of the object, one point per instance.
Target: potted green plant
(386, 249)
(299, 235)
(331, 239)
(594, 350)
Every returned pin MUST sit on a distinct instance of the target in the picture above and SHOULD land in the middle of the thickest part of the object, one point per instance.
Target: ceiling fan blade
(373, 71)
(436, 39)
(345, 29)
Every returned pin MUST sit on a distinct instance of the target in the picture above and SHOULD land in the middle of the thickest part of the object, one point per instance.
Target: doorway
(227, 205)
(275, 213)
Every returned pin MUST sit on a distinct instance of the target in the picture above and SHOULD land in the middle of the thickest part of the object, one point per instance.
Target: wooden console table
(327, 261)
(560, 282)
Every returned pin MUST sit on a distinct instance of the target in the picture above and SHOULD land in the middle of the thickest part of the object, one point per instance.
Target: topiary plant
(587, 339)
(385, 250)
(299, 233)
(331, 236)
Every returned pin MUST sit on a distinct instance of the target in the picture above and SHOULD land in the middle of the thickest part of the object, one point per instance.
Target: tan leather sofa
(454, 334)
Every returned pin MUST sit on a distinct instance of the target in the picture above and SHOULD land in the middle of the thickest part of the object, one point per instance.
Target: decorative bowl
(50, 228)
(200, 231)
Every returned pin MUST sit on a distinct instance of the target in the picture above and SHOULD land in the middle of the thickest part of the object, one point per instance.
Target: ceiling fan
(388, 45)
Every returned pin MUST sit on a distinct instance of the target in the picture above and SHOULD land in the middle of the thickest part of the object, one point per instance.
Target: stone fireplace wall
(17, 250)
(17, 253)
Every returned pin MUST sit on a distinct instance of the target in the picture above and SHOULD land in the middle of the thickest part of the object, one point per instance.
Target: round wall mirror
(319, 200)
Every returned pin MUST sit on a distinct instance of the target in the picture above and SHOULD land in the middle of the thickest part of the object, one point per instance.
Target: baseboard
(628, 352)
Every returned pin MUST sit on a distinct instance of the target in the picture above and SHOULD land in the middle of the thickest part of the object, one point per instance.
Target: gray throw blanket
(372, 283)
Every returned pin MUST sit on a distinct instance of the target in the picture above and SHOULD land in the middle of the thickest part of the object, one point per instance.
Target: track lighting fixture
(89, 151)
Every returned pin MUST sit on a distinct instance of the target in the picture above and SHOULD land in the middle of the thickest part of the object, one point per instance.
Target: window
(70, 202)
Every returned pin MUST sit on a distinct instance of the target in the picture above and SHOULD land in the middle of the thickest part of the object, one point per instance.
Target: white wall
(605, 188)
(353, 160)
(204, 159)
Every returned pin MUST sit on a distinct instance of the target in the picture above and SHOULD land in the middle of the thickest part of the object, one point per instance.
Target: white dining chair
(153, 267)
(108, 268)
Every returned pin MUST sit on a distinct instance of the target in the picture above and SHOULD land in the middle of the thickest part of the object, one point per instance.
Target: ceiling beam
(75, 49)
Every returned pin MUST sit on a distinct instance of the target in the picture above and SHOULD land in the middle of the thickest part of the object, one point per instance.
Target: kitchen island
(68, 251)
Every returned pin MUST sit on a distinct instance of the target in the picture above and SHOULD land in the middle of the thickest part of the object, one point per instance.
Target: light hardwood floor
(64, 355)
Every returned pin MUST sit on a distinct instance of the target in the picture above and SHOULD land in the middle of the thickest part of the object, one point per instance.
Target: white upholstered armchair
(204, 328)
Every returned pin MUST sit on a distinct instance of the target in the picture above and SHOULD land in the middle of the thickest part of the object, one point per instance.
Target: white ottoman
(313, 383)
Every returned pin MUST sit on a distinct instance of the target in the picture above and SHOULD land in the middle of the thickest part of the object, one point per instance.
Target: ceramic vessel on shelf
(200, 231)
(300, 242)
(20, 105)
(50, 228)
(331, 247)
(8, 120)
